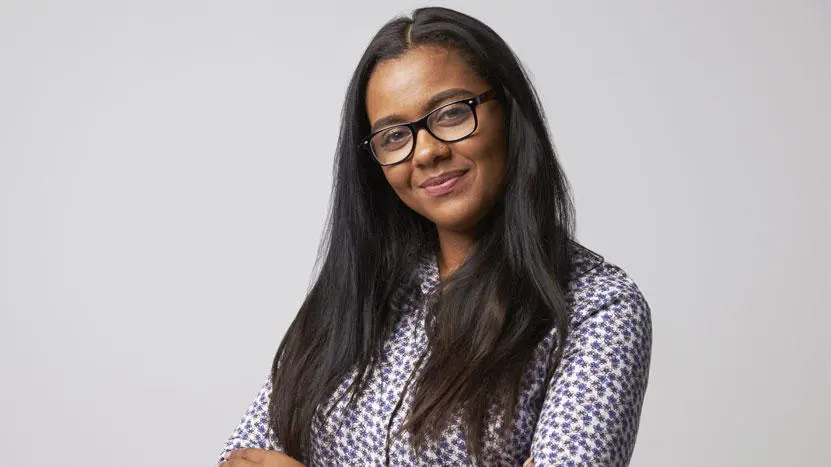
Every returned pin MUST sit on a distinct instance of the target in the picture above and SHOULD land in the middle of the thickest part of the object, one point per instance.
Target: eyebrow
(427, 108)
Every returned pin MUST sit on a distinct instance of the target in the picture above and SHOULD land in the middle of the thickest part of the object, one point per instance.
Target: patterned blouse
(588, 414)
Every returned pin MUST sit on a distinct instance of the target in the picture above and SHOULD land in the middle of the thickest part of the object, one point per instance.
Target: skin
(402, 87)
(255, 457)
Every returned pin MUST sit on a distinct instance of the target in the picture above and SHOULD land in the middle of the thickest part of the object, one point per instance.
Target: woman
(455, 320)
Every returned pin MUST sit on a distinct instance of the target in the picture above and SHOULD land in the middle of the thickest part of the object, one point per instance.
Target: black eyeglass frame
(416, 125)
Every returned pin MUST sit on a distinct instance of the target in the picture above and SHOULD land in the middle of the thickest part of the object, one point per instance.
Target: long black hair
(494, 309)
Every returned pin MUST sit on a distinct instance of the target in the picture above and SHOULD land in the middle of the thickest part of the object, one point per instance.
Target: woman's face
(405, 89)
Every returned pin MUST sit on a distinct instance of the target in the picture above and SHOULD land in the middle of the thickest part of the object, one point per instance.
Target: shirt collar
(584, 260)
(428, 271)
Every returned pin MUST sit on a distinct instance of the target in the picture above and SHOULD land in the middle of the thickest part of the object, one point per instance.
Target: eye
(453, 115)
(394, 137)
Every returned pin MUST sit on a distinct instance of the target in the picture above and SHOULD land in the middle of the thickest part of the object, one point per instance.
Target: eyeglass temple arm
(490, 94)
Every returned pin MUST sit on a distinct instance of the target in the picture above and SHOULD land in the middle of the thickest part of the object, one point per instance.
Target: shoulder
(599, 287)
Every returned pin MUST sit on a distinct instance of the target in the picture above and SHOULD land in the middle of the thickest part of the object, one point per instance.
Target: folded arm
(592, 406)
(253, 430)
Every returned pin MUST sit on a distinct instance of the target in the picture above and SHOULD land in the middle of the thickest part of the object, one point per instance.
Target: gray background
(165, 170)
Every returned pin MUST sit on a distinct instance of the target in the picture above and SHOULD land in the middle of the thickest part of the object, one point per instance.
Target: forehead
(402, 86)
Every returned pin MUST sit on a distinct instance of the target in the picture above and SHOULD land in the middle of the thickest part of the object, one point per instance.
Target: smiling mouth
(445, 187)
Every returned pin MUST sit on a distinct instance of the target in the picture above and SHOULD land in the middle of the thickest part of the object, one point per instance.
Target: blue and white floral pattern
(588, 414)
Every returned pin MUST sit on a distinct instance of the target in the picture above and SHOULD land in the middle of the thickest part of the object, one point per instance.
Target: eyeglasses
(450, 122)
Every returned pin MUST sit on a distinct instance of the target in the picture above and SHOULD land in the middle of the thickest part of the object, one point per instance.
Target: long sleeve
(252, 430)
(591, 409)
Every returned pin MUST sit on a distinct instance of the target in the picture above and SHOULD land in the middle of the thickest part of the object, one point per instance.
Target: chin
(456, 222)
(459, 215)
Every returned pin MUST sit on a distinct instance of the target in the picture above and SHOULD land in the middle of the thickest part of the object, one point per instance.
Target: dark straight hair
(493, 310)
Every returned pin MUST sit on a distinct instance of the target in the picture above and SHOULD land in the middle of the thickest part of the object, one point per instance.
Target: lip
(444, 183)
(441, 178)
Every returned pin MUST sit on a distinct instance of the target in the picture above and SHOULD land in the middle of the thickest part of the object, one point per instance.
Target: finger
(235, 454)
(528, 462)
(253, 454)
(239, 463)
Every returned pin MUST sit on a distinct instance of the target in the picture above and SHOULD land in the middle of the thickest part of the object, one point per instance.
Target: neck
(453, 249)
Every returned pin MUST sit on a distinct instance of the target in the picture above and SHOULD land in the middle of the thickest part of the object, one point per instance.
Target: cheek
(494, 160)
(394, 177)
(399, 180)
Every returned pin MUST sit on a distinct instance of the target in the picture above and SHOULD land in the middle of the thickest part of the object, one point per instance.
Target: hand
(529, 462)
(253, 457)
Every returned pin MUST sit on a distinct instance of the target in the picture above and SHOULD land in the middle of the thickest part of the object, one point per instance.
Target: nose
(428, 149)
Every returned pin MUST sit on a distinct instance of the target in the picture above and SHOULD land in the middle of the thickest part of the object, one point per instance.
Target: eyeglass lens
(448, 123)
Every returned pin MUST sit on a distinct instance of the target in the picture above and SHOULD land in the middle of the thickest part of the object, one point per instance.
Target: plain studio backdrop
(165, 170)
